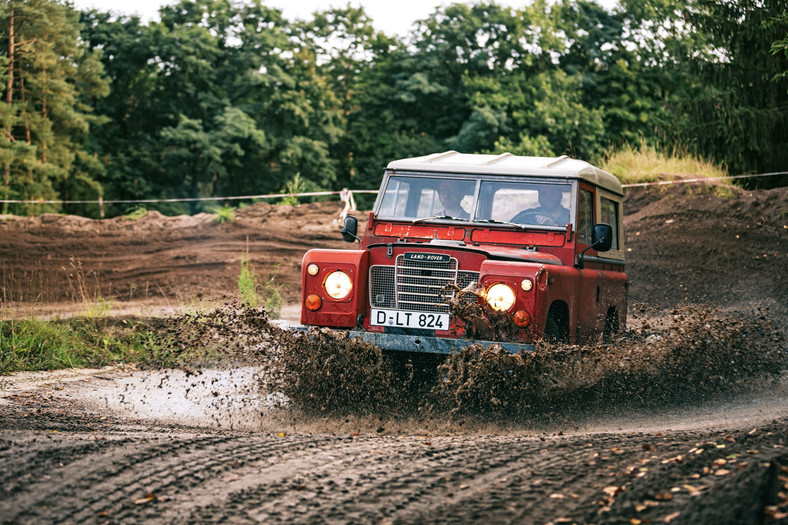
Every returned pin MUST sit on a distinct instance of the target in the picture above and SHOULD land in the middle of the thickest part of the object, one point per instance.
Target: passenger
(450, 194)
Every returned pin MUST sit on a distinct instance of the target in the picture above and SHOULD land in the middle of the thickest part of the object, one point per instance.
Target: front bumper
(424, 344)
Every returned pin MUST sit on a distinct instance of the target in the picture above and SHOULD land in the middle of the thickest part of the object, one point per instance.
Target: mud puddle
(216, 398)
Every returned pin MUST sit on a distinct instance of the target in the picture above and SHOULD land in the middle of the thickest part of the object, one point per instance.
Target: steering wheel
(533, 217)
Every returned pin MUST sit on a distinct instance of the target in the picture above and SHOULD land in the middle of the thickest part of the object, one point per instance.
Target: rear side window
(585, 216)
(610, 216)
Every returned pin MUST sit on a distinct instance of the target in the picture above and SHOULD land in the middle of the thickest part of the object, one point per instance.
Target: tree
(727, 98)
(50, 84)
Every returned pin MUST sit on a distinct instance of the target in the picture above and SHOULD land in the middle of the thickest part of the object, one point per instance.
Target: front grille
(417, 286)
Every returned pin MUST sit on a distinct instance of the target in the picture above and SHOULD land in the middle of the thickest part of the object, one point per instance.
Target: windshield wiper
(494, 221)
(441, 217)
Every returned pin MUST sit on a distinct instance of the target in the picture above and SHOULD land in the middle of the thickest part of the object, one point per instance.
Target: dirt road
(67, 458)
(126, 446)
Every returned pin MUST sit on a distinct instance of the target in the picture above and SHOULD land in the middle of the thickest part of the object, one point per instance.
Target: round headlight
(312, 269)
(500, 297)
(338, 285)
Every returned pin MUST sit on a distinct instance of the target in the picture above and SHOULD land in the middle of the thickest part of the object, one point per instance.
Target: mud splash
(691, 355)
(687, 356)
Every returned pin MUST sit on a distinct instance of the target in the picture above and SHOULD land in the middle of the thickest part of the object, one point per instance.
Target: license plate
(402, 319)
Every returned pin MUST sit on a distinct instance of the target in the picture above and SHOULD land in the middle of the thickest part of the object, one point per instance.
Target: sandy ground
(130, 446)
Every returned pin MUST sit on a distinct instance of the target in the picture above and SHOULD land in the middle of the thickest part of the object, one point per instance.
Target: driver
(550, 210)
(551, 207)
(451, 194)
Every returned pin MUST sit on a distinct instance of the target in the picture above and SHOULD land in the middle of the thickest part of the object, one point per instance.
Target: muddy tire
(414, 370)
(612, 326)
(556, 328)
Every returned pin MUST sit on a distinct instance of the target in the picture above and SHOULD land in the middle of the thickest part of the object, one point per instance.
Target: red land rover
(540, 239)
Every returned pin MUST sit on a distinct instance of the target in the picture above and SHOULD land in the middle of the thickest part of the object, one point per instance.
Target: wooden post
(101, 207)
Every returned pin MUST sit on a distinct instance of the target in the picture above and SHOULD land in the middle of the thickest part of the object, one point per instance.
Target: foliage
(222, 214)
(136, 212)
(293, 186)
(224, 98)
(255, 294)
(51, 83)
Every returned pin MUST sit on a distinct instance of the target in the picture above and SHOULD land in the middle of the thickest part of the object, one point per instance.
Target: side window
(610, 216)
(585, 216)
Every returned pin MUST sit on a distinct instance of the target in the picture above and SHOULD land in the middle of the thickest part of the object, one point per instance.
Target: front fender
(342, 313)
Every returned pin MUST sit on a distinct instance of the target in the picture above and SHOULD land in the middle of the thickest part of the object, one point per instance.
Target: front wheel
(556, 329)
(612, 328)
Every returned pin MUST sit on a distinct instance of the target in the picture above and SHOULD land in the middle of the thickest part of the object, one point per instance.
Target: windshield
(524, 203)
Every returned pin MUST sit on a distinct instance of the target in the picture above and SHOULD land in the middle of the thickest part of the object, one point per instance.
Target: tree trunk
(9, 98)
(45, 115)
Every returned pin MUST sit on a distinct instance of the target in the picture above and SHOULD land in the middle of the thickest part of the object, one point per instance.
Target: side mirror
(602, 237)
(350, 229)
(601, 241)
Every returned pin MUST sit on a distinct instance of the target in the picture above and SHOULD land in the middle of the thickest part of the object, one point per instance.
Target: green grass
(645, 163)
(136, 213)
(222, 214)
(294, 185)
(45, 345)
(247, 285)
(254, 293)
(32, 344)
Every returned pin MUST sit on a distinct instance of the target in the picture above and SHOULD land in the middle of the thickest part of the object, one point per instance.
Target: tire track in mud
(183, 475)
(509, 477)
(21, 467)
(463, 479)
(408, 482)
(83, 476)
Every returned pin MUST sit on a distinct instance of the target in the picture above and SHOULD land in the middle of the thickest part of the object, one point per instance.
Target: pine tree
(49, 85)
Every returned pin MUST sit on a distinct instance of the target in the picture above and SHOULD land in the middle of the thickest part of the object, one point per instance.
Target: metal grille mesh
(417, 286)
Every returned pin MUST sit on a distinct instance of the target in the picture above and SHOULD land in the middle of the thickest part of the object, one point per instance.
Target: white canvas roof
(508, 164)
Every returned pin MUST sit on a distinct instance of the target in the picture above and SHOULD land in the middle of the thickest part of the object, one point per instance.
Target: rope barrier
(702, 179)
(187, 199)
(345, 194)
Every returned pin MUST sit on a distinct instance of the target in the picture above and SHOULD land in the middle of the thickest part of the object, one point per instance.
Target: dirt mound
(158, 259)
(687, 244)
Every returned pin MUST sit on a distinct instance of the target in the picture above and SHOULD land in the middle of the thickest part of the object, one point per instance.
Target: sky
(393, 17)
